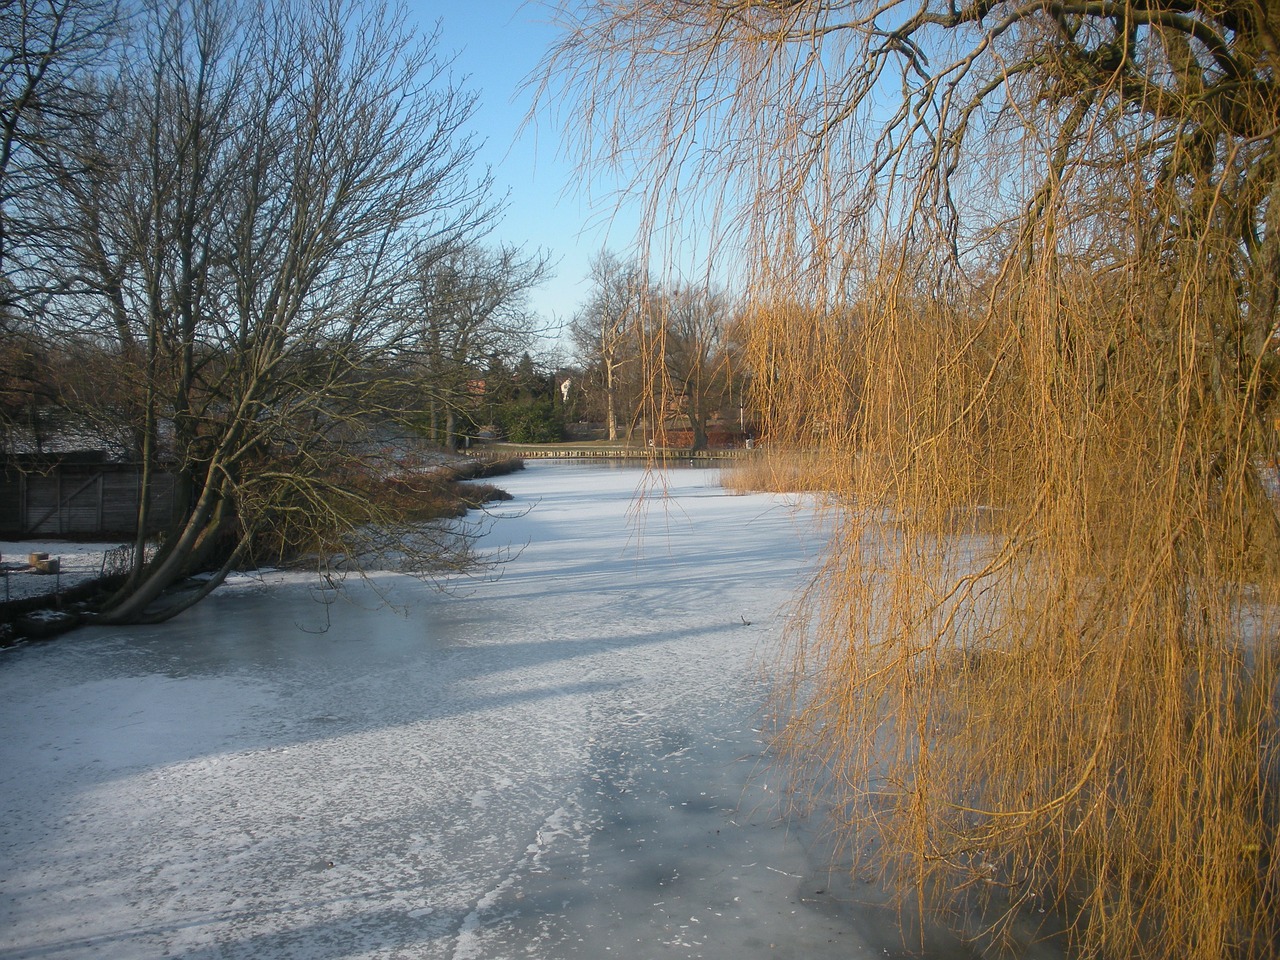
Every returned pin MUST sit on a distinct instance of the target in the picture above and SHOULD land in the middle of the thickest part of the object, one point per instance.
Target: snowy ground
(78, 563)
(562, 761)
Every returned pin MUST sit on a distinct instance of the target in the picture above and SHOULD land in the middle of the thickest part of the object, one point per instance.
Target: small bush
(534, 421)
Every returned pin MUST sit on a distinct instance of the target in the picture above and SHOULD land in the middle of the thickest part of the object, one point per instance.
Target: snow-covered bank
(78, 563)
(560, 761)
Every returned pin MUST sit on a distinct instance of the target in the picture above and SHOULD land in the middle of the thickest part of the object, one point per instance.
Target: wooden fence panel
(81, 501)
(13, 495)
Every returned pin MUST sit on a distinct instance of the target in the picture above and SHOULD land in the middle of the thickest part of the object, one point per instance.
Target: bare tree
(50, 51)
(606, 331)
(691, 342)
(263, 181)
(1044, 636)
(469, 305)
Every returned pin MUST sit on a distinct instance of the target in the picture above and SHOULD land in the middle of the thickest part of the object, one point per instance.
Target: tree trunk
(128, 606)
(611, 402)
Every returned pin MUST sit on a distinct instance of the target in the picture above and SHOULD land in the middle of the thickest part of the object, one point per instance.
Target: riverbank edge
(48, 615)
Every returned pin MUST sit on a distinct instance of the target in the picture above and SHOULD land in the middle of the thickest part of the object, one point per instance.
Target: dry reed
(1039, 663)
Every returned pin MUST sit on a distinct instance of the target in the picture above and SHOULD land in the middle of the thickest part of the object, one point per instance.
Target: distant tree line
(658, 359)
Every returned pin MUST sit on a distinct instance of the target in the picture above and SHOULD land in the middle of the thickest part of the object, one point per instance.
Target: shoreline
(40, 610)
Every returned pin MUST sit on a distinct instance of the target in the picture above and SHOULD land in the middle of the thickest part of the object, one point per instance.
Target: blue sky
(497, 44)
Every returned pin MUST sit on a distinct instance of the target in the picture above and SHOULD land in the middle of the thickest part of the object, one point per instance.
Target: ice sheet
(561, 760)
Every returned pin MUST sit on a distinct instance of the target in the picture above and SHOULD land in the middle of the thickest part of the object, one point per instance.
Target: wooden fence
(79, 500)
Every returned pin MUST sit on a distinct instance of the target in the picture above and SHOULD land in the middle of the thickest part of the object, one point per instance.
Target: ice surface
(561, 760)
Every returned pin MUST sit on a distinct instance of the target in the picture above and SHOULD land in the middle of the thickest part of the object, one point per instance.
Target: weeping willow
(1011, 281)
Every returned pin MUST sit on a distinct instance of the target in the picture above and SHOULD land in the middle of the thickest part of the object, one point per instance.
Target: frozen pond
(562, 761)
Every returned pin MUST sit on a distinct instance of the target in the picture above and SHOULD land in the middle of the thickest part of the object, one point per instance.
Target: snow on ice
(561, 759)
